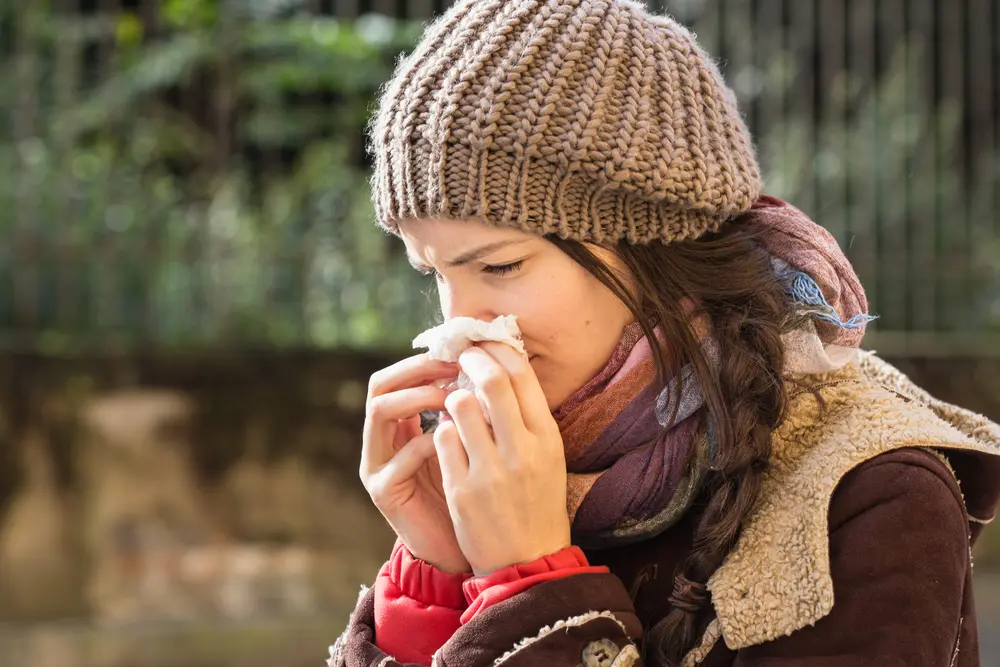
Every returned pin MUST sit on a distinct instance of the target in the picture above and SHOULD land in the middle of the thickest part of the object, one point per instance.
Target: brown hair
(730, 280)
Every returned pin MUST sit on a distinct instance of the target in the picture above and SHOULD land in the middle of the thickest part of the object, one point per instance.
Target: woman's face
(570, 322)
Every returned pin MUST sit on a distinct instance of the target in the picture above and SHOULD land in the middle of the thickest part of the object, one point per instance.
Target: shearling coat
(857, 554)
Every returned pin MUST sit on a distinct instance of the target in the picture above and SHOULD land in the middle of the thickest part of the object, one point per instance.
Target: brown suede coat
(858, 553)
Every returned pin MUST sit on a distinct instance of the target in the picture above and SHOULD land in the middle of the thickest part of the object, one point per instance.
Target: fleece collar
(777, 579)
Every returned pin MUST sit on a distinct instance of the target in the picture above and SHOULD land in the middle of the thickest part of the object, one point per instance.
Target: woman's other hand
(398, 465)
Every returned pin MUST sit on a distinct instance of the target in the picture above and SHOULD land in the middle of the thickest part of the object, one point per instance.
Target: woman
(694, 464)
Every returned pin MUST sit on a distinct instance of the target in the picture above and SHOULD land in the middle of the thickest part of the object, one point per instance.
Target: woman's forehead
(442, 233)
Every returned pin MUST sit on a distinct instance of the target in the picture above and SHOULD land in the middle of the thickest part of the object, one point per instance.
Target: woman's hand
(505, 485)
(398, 465)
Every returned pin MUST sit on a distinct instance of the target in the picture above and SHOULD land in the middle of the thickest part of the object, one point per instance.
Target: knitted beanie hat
(592, 119)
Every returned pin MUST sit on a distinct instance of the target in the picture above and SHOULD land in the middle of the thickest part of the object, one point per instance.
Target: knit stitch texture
(591, 119)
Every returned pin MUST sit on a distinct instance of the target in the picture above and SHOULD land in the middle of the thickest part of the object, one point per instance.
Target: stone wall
(172, 488)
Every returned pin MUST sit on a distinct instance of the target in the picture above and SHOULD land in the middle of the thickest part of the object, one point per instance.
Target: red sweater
(418, 607)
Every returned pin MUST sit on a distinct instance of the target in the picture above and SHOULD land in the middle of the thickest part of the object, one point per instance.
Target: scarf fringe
(806, 292)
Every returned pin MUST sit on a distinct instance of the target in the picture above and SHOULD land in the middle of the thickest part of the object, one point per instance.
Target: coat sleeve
(899, 556)
(582, 619)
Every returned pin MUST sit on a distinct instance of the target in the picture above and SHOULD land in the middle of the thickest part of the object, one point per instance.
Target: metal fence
(190, 172)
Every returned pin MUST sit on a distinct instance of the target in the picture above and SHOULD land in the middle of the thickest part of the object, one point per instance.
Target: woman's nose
(457, 301)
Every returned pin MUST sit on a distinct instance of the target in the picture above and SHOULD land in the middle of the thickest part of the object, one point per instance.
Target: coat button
(600, 653)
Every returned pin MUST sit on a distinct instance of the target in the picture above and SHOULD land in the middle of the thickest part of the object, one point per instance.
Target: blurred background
(193, 293)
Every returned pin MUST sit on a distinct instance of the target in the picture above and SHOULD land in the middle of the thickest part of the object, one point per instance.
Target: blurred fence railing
(191, 173)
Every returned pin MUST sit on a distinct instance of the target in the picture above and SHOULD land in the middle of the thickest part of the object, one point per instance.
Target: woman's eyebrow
(469, 255)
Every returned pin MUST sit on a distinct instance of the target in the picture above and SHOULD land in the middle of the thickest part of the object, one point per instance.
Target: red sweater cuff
(417, 607)
(423, 582)
(505, 583)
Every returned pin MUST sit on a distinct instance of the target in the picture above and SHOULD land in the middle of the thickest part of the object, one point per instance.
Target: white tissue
(447, 341)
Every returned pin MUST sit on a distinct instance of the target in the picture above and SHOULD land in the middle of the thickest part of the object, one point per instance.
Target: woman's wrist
(541, 555)
(445, 564)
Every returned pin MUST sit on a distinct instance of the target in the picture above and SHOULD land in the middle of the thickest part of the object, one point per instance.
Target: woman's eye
(503, 269)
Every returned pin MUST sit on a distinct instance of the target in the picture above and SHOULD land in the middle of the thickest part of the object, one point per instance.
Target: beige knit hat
(589, 118)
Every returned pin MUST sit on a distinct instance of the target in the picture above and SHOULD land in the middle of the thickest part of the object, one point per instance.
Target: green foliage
(133, 222)
(190, 14)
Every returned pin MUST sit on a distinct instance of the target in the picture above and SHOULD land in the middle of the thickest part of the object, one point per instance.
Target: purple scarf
(633, 471)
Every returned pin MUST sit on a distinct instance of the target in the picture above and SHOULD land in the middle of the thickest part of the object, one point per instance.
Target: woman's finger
(494, 385)
(407, 460)
(410, 372)
(527, 390)
(473, 431)
(378, 437)
(451, 455)
(406, 430)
